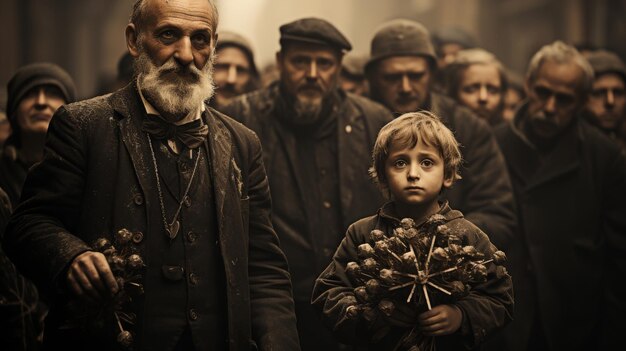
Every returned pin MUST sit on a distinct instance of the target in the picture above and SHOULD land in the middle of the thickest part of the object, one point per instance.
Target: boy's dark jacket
(489, 305)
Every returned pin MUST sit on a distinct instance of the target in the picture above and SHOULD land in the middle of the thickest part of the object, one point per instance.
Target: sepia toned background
(86, 37)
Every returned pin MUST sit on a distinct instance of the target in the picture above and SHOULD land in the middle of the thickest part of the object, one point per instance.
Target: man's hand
(441, 320)
(90, 277)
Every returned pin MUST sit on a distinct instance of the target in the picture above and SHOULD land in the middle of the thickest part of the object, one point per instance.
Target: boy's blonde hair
(407, 131)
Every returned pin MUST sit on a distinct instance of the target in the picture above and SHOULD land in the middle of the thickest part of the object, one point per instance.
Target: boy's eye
(400, 164)
(427, 163)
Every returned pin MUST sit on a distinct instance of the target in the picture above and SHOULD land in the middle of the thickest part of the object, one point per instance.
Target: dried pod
(125, 339)
(365, 251)
(387, 276)
(399, 232)
(499, 257)
(134, 262)
(455, 249)
(470, 251)
(123, 236)
(353, 270)
(396, 245)
(410, 233)
(387, 307)
(381, 248)
(110, 251)
(101, 244)
(444, 230)
(120, 282)
(425, 241)
(440, 254)
(479, 272)
(116, 262)
(361, 294)
(407, 223)
(369, 265)
(376, 235)
(435, 219)
(353, 312)
(373, 287)
(408, 258)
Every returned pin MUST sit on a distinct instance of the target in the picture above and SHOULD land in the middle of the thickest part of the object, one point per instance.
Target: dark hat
(453, 35)
(36, 74)
(314, 30)
(603, 61)
(354, 64)
(227, 38)
(401, 37)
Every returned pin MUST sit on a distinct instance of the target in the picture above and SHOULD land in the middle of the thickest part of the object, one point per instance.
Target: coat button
(137, 237)
(326, 204)
(193, 279)
(193, 315)
(348, 129)
(191, 236)
(138, 199)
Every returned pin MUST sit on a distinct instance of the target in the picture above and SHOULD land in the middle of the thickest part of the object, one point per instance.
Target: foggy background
(86, 37)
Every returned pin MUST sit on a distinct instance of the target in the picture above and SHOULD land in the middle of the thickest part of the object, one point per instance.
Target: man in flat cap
(147, 222)
(34, 93)
(606, 107)
(235, 72)
(317, 141)
(400, 73)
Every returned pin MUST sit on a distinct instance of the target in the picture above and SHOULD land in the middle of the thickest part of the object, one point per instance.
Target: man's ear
(447, 183)
(131, 39)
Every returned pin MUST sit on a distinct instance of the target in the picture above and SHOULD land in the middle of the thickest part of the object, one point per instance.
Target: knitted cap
(37, 74)
(401, 37)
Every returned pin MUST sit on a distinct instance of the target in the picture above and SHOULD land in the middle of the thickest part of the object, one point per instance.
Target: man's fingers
(74, 285)
(89, 270)
(106, 276)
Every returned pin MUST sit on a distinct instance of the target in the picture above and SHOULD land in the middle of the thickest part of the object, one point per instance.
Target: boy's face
(415, 176)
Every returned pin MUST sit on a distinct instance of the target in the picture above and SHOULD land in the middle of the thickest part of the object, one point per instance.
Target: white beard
(172, 88)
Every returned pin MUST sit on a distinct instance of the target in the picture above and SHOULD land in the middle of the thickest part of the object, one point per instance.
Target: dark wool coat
(488, 306)
(569, 258)
(12, 173)
(359, 121)
(485, 194)
(96, 179)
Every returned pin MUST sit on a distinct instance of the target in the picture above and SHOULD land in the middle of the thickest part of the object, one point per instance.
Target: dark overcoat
(568, 262)
(96, 178)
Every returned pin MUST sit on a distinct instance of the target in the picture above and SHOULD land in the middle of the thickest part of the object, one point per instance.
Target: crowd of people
(237, 196)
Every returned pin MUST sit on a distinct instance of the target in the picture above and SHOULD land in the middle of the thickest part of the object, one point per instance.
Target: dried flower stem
(430, 252)
(439, 288)
(427, 298)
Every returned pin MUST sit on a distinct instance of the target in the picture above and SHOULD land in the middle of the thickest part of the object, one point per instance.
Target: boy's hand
(441, 320)
(90, 277)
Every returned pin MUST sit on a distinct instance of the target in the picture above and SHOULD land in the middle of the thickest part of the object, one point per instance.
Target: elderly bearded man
(199, 207)
(317, 143)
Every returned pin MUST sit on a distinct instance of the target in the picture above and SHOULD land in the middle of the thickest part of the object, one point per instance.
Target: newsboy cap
(401, 37)
(603, 61)
(316, 31)
(37, 74)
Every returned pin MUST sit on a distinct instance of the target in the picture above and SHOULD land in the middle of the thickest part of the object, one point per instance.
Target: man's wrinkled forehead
(155, 12)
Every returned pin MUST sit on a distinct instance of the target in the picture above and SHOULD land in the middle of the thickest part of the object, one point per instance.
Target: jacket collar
(537, 169)
(388, 213)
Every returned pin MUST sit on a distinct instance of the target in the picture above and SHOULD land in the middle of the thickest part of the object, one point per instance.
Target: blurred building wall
(86, 37)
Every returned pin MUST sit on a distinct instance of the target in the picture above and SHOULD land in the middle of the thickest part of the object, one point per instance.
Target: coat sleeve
(487, 199)
(271, 300)
(489, 305)
(38, 237)
(333, 293)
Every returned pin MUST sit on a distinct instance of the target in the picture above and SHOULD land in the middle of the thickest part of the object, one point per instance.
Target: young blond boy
(415, 158)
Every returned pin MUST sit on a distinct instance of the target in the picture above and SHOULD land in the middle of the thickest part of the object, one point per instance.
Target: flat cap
(316, 31)
(453, 35)
(603, 61)
(401, 37)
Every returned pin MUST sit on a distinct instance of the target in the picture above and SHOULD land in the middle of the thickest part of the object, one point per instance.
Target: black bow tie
(191, 134)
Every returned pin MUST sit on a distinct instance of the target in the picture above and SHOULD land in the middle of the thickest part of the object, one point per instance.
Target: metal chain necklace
(171, 229)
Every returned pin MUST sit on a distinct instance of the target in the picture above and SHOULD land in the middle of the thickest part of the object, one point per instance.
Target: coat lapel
(126, 103)
(220, 148)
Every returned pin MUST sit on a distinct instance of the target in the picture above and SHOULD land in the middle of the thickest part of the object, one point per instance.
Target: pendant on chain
(172, 229)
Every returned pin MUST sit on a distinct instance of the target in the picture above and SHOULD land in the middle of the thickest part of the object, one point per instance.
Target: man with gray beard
(198, 266)
(317, 143)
